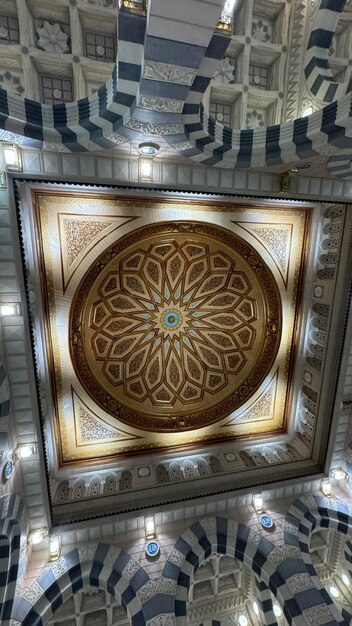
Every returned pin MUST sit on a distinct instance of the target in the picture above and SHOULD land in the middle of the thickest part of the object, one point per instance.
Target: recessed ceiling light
(277, 609)
(258, 502)
(12, 155)
(148, 148)
(255, 607)
(326, 487)
(26, 450)
(339, 473)
(10, 308)
(54, 547)
(307, 111)
(149, 527)
(36, 536)
(334, 591)
(346, 580)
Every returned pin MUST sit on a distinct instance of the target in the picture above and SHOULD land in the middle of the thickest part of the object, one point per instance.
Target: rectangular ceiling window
(56, 90)
(100, 47)
(259, 76)
(221, 112)
(9, 30)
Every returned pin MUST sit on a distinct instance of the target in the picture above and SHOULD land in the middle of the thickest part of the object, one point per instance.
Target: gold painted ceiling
(170, 323)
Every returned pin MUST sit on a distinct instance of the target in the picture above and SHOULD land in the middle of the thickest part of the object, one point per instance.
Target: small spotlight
(12, 155)
(326, 487)
(334, 591)
(242, 620)
(10, 308)
(255, 607)
(54, 548)
(307, 111)
(36, 536)
(277, 609)
(339, 473)
(258, 502)
(346, 580)
(24, 451)
(149, 526)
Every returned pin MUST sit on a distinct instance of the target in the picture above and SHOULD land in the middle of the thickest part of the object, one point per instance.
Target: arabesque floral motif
(52, 38)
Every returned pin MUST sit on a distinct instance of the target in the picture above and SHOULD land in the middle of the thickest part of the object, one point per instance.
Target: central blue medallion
(171, 319)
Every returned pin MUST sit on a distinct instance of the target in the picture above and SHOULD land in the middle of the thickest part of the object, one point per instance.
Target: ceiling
(192, 101)
(181, 344)
(97, 461)
(178, 330)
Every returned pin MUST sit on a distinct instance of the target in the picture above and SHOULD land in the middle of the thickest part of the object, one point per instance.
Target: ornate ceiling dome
(175, 326)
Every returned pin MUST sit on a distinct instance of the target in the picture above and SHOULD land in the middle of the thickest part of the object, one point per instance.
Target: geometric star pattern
(174, 324)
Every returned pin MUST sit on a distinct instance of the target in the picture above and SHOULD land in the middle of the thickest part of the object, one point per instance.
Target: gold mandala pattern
(175, 326)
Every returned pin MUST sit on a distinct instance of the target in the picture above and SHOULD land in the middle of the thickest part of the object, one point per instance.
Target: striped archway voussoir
(101, 565)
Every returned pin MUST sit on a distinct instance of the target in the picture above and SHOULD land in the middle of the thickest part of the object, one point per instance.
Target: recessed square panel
(169, 323)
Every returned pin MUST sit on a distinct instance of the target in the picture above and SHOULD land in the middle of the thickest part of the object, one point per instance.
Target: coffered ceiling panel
(170, 323)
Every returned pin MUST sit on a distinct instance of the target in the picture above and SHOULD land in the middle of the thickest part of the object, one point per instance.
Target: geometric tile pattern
(184, 265)
(155, 338)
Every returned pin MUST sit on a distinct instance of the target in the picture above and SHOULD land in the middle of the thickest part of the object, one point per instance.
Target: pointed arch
(310, 513)
(212, 535)
(12, 518)
(274, 566)
(98, 565)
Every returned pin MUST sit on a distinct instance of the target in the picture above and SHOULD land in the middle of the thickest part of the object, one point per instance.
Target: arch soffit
(98, 565)
(279, 570)
(12, 519)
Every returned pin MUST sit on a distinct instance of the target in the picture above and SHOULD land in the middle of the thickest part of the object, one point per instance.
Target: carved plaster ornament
(224, 72)
(52, 38)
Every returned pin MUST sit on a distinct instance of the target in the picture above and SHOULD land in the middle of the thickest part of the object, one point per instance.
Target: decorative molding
(299, 582)
(33, 593)
(161, 105)
(155, 586)
(295, 62)
(147, 128)
(52, 38)
(262, 407)
(155, 70)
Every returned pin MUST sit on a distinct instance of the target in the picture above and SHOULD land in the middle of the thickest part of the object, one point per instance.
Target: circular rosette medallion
(175, 326)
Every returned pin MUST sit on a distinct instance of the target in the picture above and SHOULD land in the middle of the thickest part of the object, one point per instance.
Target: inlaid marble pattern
(180, 318)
